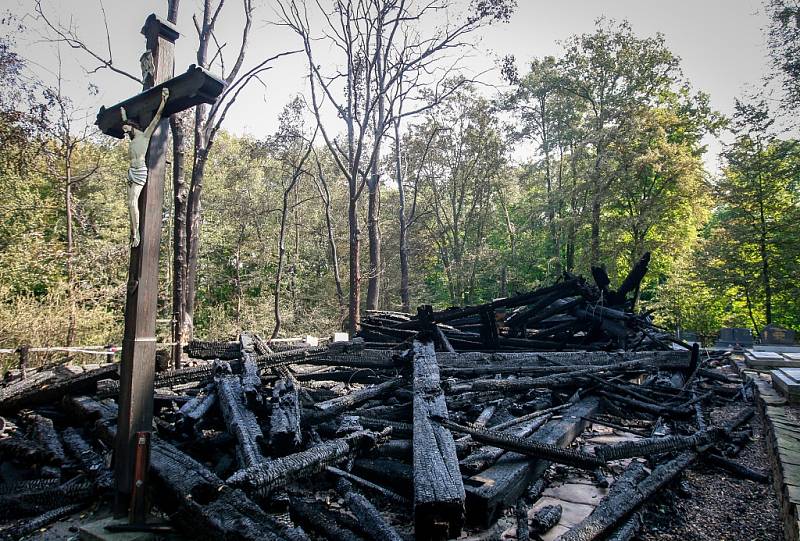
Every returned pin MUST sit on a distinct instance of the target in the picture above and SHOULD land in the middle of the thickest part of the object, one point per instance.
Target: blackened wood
(21, 529)
(26, 451)
(626, 501)
(628, 530)
(18, 393)
(41, 430)
(91, 462)
(251, 382)
(369, 485)
(37, 498)
(485, 456)
(313, 516)
(438, 489)
(284, 434)
(199, 349)
(657, 445)
(274, 473)
(531, 448)
(386, 472)
(633, 280)
(241, 422)
(372, 520)
(492, 490)
(546, 518)
(50, 389)
(335, 406)
(737, 469)
(521, 515)
(193, 411)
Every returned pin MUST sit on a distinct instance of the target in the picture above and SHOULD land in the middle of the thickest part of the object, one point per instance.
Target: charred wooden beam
(391, 473)
(241, 422)
(199, 349)
(251, 382)
(521, 515)
(53, 389)
(13, 395)
(737, 469)
(545, 519)
(91, 462)
(26, 451)
(336, 406)
(23, 528)
(312, 515)
(438, 489)
(627, 501)
(499, 486)
(193, 411)
(377, 526)
(42, 430)
(34, 500)
(487, 455)
(284, 433)
(369, 485)
(652, 446)
(268, 475)
(543, 451)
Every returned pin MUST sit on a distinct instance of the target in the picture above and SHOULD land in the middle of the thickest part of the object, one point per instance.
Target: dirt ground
(716, 506)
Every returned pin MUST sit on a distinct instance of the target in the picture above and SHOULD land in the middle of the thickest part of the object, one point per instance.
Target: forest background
(398, 178)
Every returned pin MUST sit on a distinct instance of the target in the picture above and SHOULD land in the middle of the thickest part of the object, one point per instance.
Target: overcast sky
(721, 44)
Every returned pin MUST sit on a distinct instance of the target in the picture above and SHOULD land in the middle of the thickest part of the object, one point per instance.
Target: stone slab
(762, 355)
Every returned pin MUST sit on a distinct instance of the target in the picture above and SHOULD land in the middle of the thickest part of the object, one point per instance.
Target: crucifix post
(137, 368)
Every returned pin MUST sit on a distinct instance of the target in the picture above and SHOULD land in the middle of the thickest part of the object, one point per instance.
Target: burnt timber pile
(434, 426)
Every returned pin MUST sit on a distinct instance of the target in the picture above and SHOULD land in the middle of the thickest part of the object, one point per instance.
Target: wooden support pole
(139, 345)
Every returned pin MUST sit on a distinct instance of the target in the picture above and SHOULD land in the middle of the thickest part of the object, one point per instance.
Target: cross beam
(188, 89)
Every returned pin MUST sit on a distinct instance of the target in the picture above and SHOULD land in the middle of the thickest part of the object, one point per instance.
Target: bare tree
(381, 47)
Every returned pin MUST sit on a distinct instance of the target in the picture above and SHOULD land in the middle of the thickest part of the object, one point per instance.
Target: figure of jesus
(137, 172)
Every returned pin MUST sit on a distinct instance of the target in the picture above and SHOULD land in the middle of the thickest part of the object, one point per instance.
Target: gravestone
(734, 336)
(779, 336)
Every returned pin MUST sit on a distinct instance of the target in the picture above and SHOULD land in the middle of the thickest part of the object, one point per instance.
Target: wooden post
(139, 345)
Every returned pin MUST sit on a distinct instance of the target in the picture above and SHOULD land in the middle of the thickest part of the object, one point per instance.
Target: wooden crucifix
(137, 368)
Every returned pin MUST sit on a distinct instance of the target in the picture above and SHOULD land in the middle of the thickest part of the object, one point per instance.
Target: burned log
(41, 497)
(51, 389)
(26, 451)
(369, 485)
(378, 528)
(652, 446)
(392, 473)
(627, 500)
(544, 451)
(545, 519)
(21, 529)
(499, 486)
(92, 463)
(336, 406)
(438, 489)
(263, 477)
(12, 396)
(487, 455)
(193, 411)
(41, 430)
(199, 349)
(251, 382)
(312, 515)
(737, 469)
(521, 515)
(241, 422)
(284, 433)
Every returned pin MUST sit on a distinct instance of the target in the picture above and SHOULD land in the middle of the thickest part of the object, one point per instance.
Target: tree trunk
(354, 313)
(374, 185)
(177, 123)
(180, 194)
(594, 254)
(279, 271)
(70, 245)
(403, 224)
(765, 276)
(325, 194)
